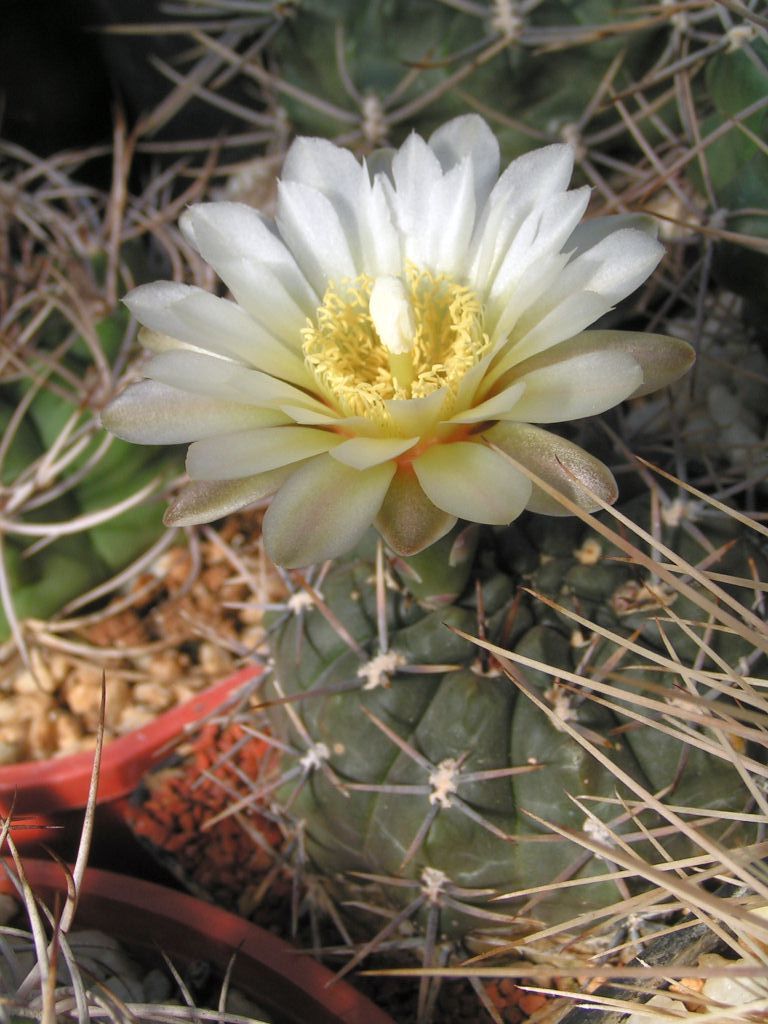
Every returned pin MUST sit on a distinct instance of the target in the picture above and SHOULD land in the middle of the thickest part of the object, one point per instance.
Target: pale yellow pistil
(395, 323)
(375, 340)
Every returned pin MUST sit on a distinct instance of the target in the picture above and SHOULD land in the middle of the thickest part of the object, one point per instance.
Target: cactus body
(395, 788)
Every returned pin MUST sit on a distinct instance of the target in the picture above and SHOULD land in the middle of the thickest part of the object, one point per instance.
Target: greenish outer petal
(662, 359)
(203, 374)
(233, 456)
(322, 510)
(151, 413)
(472, 482)
(581, 385)
(574, 472)
(408, 521)
(202, 501)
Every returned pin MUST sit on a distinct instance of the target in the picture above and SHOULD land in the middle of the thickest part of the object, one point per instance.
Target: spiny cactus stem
(690, 894)
(315, 757)
(744, 622)
(377, 671)
(749, 521)
(333, 620)
(701, 839)
(263, 77)
(408, 110)
(689, 709)
(435, 893)
(381, 600)
(694, 708)
(443, 783)
(394, 923)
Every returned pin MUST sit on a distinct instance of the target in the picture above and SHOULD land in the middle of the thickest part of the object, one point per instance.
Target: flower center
(373, 340)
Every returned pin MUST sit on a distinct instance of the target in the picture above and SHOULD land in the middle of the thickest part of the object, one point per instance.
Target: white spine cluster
(444, 782)
(377, 671)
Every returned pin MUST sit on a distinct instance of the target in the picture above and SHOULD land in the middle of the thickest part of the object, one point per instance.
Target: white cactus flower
(404, 323)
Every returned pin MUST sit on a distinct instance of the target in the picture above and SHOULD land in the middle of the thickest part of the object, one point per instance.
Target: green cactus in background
(91, 480)
(77, 507)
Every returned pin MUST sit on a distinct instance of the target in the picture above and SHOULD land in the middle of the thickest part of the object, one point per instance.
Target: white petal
(152, 305)
(529, 186)
(469, 135)
(500, 406)
(619, 263)
(582, 385)
(568, 317)
(543, 233)
(322, 510)
(153, 413)
(254, 345)
(335, 173)
(451, 217)
(379, 239)
(470, 383)
(574, 472)
(255, 451)
(215, 325)
(153, 341)
(311, 227)
(472, 482)
(594, 230)
(202, 501)
(663, 360)
(323, 166)
(540, 277)
(416, 172)
(534, 175)
(362, 452)
(260, 291)
(219, 378)
(311, 417)
(228, 234)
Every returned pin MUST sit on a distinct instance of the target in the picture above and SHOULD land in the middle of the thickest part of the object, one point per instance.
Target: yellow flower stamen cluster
(353, 367)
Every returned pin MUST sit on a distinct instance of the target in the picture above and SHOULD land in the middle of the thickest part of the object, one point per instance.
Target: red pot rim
(268, 969)
(62, 783)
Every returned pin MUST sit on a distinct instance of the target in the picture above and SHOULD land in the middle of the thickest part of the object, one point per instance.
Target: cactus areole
(392, 344)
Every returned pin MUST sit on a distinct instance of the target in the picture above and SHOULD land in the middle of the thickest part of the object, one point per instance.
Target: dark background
(61, 74)
(55, 89)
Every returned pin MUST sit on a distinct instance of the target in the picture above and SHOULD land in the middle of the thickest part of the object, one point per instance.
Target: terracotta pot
(148, 917)
(51, 795)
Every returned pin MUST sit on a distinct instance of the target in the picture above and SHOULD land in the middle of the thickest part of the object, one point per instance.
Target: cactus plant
(101, 490)
(77, 509)
(411, 765)
(422, 766)
(408, 755)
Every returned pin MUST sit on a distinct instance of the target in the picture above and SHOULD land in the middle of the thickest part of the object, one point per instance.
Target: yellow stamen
(372, 341)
